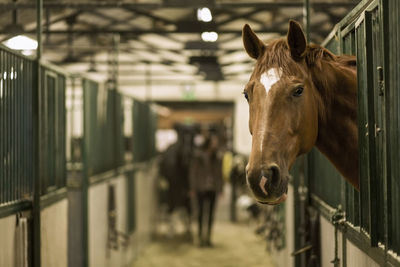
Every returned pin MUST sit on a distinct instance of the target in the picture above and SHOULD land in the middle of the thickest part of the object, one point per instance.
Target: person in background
(206, 182)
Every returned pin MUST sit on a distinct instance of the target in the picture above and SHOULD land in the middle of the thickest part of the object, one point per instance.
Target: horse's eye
(246, 95)
(298, 91)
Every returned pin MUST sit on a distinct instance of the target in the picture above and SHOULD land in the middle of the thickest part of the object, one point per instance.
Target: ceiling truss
(68, 27)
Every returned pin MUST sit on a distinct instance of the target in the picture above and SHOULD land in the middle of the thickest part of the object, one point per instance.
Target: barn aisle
(235, 245)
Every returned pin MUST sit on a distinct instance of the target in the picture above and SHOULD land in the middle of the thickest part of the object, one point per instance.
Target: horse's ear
(296, 40)
(254, 46)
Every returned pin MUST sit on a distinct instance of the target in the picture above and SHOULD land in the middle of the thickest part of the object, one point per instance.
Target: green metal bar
(30, 90)
(6, 127)
(2, 130)
(36, 154)
(18, 206)
(384, 38)
(53, 197)
(85, 176)
(306, 19)
(375, 175)
(19, 128)
(392, 83)
(364, 129)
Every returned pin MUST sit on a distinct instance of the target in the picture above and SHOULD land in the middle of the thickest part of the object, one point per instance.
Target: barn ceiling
(160, 41)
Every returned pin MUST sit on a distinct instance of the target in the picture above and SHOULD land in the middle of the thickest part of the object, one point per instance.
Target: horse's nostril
(274, 173)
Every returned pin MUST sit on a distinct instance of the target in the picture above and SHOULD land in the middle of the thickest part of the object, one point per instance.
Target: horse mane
(314, 54)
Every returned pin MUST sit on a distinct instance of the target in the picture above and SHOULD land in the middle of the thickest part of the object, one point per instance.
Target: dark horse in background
(299, 95)
(174, 167)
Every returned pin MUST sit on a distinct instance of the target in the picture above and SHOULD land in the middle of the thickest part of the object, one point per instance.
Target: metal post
(148, 83)
(85, 176)
(306, 19)
(36, 138)
(302, 189)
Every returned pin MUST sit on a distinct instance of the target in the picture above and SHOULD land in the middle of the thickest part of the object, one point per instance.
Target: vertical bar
(36, 160)
(8, 128)
(5, 139)
(64, 123)
(384, 29)
(85, 176)
(29, 90)
(19, 129)
(306, 19)
(22, 77)
(12, 128)
(24, 122)
(2, 128)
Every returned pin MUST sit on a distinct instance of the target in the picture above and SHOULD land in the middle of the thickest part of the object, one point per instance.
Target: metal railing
(16, 165)
(17, 82)
(371, 32)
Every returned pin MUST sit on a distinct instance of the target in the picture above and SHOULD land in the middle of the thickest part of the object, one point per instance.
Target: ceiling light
(204, 14)
(209, 36)
(21, 42)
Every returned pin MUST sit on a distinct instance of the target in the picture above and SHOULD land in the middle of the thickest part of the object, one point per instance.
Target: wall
(54, 234)
(54, 237)
(8, 242)
(99, 253)
(355, 257)
(358, 258)
(146, 203)
(327, 231)
(145, 207)
(283, 257)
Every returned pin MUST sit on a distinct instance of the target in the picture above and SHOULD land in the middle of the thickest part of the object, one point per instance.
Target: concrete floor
(234, 246)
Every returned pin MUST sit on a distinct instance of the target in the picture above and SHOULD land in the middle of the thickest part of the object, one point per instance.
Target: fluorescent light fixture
(209, 36)
(21, 42)
(204, 14)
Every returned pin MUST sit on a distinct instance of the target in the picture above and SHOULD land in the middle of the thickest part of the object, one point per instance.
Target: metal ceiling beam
(77, 35)
(110, 19)
(190, 4)
(149, 15)
(121, 63)
(156, 31)
(172, 82)
(51, 22)
(277, 24)
(235, 13)
(107, 47)
(155, 18)
(240, 16)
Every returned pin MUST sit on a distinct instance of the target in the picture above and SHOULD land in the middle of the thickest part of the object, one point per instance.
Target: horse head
(299, 95)
(283, 111)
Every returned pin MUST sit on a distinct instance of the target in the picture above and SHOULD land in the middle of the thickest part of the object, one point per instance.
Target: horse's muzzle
(268, 185)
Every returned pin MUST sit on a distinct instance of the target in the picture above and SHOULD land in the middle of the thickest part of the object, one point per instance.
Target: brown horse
(300, 95)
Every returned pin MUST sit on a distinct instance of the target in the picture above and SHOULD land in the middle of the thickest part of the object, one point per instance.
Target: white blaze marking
(271, 77)
(268, 79)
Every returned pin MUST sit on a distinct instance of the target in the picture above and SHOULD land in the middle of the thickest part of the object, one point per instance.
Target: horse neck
(337, 125)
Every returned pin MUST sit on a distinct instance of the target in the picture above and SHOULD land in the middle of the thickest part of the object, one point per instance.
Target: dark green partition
(16, 150)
